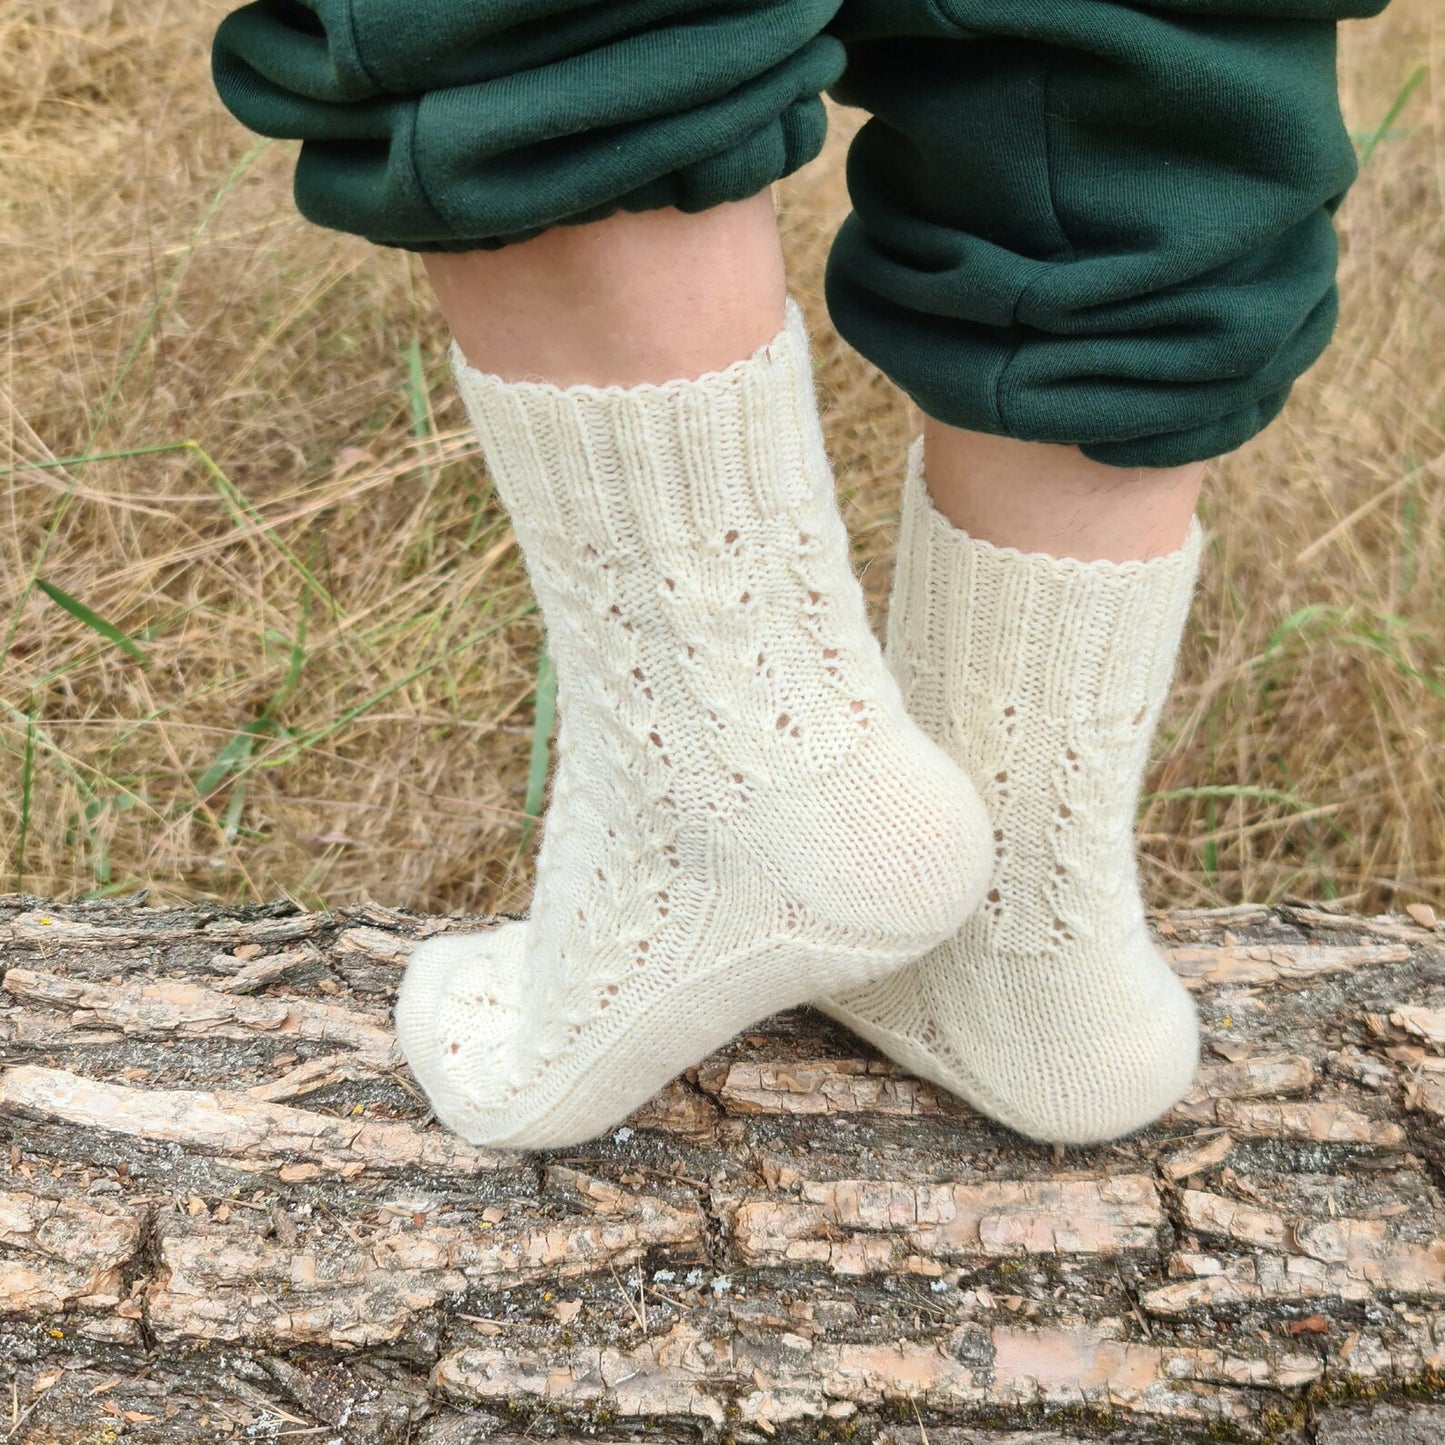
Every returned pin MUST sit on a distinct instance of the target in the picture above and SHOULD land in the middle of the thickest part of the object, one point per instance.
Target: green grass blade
(75, 771)
(1388, 648)
(1297, 621)
(231, 823)
(347, 716)
(242, 509)
(27, 789)
(1411, 85)
(92, 620)
(1409, 540)
(416, 392)
(545, 716)
(232, 758)
(94, 457)
(92, 818)
(1232, 790)
(421, 423)
(297, 662)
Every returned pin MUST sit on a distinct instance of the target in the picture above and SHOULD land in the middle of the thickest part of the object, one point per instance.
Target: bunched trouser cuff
(1091, 221)
(456, 125)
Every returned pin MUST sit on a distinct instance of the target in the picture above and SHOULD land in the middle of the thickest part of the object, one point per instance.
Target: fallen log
(225, 1213)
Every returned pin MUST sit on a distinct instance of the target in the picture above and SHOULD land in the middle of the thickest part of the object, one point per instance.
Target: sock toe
(459, 1016)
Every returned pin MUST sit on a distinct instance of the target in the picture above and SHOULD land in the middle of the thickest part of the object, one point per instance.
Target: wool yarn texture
(1051, 1010)
(743, 815)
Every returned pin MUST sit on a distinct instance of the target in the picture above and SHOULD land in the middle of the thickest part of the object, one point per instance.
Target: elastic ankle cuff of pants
(439, 125)
(1093, 223)
(1142, 399)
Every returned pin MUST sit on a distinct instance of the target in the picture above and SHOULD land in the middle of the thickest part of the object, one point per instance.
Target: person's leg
(1093, 241)
(637, 298)
(1043, 497)
(742, 814)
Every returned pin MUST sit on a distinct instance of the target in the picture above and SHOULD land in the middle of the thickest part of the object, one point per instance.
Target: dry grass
(338, 690)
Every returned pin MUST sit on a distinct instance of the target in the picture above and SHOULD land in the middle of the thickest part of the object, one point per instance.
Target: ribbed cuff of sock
(1058, 636)
(663, 460)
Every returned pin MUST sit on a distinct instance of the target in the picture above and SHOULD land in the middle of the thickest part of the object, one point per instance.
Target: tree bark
(225, 1213)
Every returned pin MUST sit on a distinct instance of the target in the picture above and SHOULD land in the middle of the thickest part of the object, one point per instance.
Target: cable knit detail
(743, 815)
(1044, 677)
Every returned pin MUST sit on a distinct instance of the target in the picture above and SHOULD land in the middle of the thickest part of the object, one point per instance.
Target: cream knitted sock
(1051, 1010)
(743, 814)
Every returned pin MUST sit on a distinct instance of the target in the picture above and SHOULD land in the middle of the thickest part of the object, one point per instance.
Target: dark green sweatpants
(1106, 222)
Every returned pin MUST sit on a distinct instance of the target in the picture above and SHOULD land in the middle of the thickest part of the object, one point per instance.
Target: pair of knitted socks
(752, 809)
